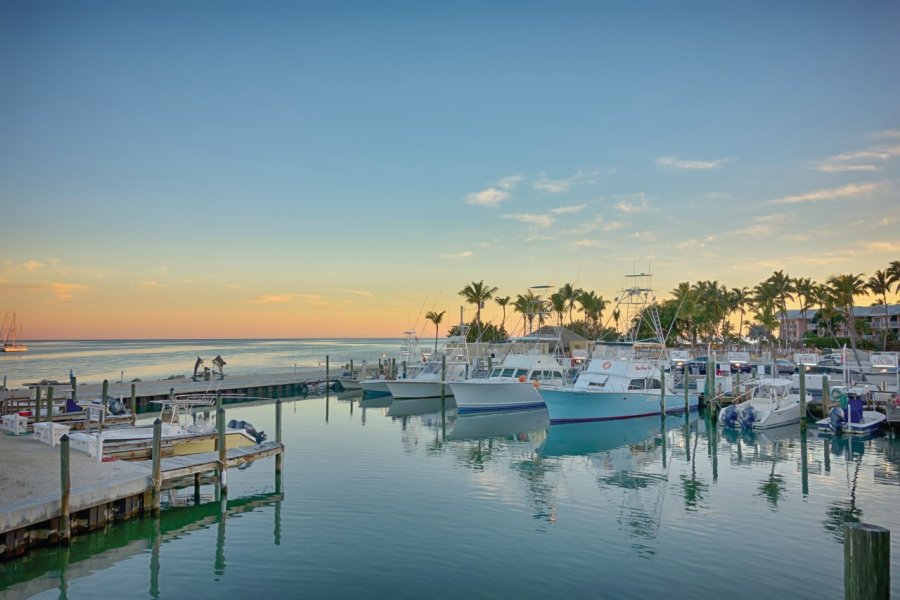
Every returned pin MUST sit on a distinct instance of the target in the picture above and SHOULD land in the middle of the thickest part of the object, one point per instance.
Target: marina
(499, 493)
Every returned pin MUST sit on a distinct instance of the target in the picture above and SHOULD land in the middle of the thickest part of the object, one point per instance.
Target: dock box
(49, 433)
(15, 423)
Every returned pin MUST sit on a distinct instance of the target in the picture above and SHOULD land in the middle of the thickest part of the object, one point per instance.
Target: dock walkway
(31, 487)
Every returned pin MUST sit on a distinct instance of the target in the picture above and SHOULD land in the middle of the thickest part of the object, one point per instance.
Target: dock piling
(220, 425)
(867, 564)
(826, 395)
(133, 404)
(687, 383)
(156, 456)
(65, 529)
(37, 403)
(279, 456)
(802, 400)
(49, 415)
(662, 392)
(102, 406)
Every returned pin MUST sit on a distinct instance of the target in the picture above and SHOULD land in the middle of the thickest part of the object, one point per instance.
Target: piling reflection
(47, 569)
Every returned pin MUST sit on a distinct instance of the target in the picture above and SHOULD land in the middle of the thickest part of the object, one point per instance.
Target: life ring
(835, 394)
(536, 383)
(607, 365)
(521, 379)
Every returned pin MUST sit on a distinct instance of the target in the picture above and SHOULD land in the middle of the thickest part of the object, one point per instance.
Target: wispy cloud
(853, 190)
(696, 243)
(673, 163)
(149, 285)
(887, 134)
(458, 255)
(66, 291)
(860, 160)
(489, 197)
(647, 236)
(510, 182)
(539, 220)
(274, 298)
(355, 292)
(884, 246)
(567, 210)
(589, 243)
(558, 186)
(631, 207)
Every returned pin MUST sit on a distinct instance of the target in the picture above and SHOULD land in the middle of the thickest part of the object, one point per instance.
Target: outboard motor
(115, 406)
(836, 419)
(729, 416)
(748, 416)
(259, 436)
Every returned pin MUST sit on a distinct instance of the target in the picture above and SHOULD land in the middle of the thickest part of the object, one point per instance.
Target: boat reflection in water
(417, 406)
(520, 423)
(375, 401)
(572, 439)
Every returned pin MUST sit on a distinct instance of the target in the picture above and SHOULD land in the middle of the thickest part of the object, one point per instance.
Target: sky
(316, 169)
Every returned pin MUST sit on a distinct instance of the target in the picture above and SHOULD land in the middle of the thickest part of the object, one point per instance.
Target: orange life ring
(521, 379)
(607, 365)
(536, 383)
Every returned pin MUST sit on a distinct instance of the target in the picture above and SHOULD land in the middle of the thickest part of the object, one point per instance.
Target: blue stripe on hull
(670, 411)
(501, 408)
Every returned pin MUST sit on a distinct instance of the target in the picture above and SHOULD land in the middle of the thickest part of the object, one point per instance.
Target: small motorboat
(852, 417)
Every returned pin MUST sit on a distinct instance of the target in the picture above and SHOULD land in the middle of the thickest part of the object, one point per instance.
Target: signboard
(739, 357)
(806, 358)
(883, 360)
(96, 413)
(679, 355)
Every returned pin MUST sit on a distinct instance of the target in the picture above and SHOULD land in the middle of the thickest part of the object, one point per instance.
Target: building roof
(858, 311)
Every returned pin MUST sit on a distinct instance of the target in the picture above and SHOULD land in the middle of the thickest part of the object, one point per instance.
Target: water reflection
(521, 424)
(46, 569)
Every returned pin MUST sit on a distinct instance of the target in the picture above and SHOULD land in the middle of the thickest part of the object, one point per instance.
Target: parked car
(785, 367)
(698, 365)
(741, 368)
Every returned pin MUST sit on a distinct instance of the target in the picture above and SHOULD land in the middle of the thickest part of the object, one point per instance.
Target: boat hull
(871, 422)
(375, 388)
(410, 388)
(574, 406)
(483, 396)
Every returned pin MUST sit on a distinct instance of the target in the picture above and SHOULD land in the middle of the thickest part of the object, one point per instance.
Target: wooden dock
(38, 507)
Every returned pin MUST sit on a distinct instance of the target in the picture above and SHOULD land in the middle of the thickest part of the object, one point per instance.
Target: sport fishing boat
(851, 417)
(513, 384)
(186, 432)
(453, 362)
(771, 404)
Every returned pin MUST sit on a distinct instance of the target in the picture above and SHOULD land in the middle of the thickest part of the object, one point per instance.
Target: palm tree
(806, 294)
(880, 284)
(435, 318)
(570, 296)
(740, 300)
(592, 306)
(893, 272)
(558, 304)
(685, 297)
(844, 288)
(503, 302)
(783, 286)
(529, 305)
(478, 294)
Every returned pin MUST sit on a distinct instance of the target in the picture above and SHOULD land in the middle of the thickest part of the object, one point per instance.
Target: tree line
(699, 313)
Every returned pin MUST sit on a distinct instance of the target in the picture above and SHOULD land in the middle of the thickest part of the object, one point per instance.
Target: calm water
(94, 361)
(387, 500)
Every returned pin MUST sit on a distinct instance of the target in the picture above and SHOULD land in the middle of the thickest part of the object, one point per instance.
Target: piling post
(687, 383)
(278, 457)
(65, 529)
(220, 425)
(37, 404)
(804, 462)
(218, 401)
(802, 400)
(403, 367)
(352, 376)
(133, 404)
(867, 564)
(50, 404)
(443, 392)
(103, 406)
(156, 466)
(826, 395)
(662, 392)
(74, 381)
(327, 377)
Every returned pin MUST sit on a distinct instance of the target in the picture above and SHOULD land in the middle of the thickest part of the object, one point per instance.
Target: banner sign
(808, 358)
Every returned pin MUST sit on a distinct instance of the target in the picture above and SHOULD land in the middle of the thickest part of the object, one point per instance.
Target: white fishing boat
(11, 334)
(411, 362)
(851, 416)
(771, 404)
(449, 364)
(623, 380)
(512, 385)
(185, 432)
